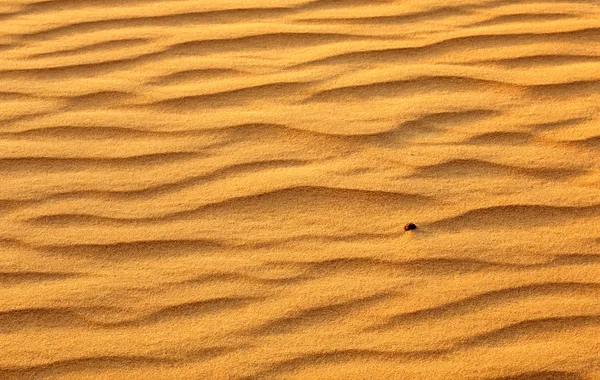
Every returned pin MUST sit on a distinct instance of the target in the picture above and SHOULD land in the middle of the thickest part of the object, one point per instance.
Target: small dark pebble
(410, 226)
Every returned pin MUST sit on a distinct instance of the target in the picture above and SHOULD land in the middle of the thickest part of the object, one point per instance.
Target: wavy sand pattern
(195, 189)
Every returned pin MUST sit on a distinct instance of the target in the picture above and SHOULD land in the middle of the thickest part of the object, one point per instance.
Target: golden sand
(218, 189)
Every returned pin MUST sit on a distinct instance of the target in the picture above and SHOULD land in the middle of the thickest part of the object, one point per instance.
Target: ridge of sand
(217, 189)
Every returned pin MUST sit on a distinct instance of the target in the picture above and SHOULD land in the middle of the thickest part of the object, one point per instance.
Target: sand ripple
(218, 189)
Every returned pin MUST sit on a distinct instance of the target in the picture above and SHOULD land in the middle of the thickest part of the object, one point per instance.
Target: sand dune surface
(218, 189)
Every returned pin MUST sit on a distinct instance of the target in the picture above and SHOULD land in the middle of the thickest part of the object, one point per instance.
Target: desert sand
(218, 189)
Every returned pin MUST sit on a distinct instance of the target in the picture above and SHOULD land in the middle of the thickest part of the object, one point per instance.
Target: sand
(218, 189)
